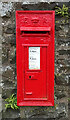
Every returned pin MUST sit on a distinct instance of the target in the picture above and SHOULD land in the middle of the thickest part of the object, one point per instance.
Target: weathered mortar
(62, 65)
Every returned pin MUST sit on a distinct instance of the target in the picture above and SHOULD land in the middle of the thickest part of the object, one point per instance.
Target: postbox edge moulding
(35, 57)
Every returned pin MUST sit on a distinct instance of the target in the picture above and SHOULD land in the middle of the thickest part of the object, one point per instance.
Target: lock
(35, 56)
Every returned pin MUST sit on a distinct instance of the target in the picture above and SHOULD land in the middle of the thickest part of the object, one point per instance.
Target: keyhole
(29, 77)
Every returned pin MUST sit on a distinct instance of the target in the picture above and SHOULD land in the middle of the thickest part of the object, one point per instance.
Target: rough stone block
(5, 9)
(44, 112)
(12, 55)
(7, 92)
(8, 83)
(10, 39)
(8, 71)
(61, 91)
(9, 29)
(61, 79)
(10, 113)
(4, 54)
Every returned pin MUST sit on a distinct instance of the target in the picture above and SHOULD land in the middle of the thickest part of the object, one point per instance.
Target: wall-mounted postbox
(35, 58)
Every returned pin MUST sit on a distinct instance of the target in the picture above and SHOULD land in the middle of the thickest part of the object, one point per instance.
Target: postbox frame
(21, 101)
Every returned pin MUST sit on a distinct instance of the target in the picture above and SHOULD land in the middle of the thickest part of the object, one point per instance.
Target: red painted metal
(35, 87)
(35, 28)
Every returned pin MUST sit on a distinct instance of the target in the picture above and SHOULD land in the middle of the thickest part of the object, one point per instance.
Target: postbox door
(35, 72)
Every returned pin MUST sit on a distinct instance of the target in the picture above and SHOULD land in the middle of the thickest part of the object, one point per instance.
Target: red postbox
(35, 58)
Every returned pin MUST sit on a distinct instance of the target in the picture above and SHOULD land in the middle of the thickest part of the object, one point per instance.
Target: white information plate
(34, 57)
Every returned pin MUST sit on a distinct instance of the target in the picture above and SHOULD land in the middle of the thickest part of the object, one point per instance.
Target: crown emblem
(35, 20)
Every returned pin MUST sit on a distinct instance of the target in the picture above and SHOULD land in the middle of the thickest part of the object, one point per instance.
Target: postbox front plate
(35, 58)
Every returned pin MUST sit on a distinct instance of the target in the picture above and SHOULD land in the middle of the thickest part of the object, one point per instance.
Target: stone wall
(8, 82)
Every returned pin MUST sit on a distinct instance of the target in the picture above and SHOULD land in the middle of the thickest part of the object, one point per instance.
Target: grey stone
(10, 113)
(0, 102)
(40, 6)
(8, 72)
(12, 55)
(5, 9)
(61, 52)
(0, 89)
(7, 92)
(61, 92)
(43, 112)
(9, 29)
(9, 77)
(7, 83)
(9, 26)
(60, 79)
(10, 39)
(35, 1)
(4, 54)
(0, 115)
(0, 106)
